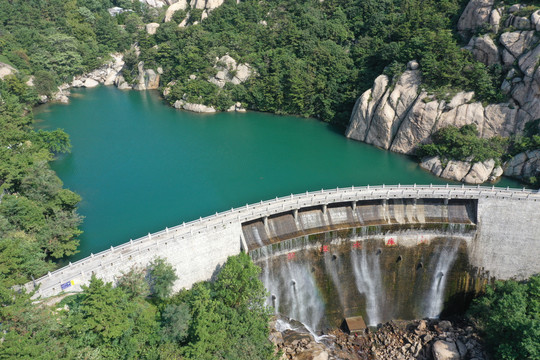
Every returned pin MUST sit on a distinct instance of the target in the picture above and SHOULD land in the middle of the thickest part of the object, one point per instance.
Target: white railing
(275, 206)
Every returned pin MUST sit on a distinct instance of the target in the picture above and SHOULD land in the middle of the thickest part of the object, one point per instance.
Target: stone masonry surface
(507, 242)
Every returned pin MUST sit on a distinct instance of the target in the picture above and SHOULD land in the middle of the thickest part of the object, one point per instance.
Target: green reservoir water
(140, 165)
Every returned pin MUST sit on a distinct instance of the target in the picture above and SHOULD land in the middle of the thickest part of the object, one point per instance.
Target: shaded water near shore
(141, 166)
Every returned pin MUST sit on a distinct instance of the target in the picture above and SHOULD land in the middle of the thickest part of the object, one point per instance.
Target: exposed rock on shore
(199, 108)
(404, 340)
(227, 71)
(523, 165)
(106, 74)
(398, 114)
(464, 171)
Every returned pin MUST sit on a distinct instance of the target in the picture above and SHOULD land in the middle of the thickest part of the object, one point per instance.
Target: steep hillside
(401, 113)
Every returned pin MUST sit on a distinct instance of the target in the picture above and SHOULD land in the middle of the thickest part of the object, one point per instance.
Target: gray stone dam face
(383, 252)
(395, 259)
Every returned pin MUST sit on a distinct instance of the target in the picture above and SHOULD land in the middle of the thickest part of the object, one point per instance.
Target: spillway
(379, 259)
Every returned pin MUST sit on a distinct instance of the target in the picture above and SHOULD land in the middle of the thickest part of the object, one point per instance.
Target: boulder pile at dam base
(432, 339)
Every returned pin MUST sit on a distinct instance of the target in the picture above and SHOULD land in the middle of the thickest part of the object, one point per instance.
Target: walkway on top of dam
(112, 262)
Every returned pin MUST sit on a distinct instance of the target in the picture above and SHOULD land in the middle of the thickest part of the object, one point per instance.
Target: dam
(382, 252)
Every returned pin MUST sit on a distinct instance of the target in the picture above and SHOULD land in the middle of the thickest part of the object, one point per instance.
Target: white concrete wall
(197, 248)
(508, 238)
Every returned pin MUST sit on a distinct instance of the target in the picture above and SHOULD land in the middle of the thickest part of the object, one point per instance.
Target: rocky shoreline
(399, 114)
(399, 340)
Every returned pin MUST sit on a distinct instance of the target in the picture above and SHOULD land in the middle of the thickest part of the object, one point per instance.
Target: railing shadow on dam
(506, 241)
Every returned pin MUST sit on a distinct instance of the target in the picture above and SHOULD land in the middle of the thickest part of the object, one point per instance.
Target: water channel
(141, 165)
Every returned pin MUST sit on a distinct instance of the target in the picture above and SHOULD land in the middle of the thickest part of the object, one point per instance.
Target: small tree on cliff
(161, 277)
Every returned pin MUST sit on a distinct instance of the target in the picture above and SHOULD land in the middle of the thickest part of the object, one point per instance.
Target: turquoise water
(140, 165)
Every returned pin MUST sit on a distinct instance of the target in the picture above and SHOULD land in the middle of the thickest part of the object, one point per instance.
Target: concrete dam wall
(381, 252)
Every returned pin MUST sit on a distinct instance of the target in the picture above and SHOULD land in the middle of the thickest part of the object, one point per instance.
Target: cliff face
(399, 117)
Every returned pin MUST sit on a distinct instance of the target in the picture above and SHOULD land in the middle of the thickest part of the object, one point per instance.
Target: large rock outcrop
(464, 171)
(180, 5)
(398, 115)
(476, 14)
(6, 69)
(484, 49)
(158, 3)
(147, 80)
(206, 5)
(229, 71)
(105, 74)
(524, 165)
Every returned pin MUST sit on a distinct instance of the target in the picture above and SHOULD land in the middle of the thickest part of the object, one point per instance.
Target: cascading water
(267, 276)
(367, 274)
(291, 285)
(332, 264)
(319, 285)
(435, 297)
(302, 295)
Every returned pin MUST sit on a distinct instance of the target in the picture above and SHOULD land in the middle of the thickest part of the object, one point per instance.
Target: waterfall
(302, 295)
(292, 288)
(267, 276)
(367, 274)
(332, 264)
(445, 259)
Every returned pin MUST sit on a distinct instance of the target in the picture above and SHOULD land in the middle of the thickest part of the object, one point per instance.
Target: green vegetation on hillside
(509, 314)
(38, 219)
(314, 58)
(138, 319)
(311, 58)
(55, 39)
(463, 144)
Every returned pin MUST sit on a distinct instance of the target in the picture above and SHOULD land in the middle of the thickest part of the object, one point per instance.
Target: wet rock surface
(418, 339)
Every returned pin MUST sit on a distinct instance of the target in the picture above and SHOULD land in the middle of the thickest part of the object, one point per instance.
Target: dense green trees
(311, 58)
(509, 314)
(314, 58)
(38, 219)
(463, 144)
(226, 319)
